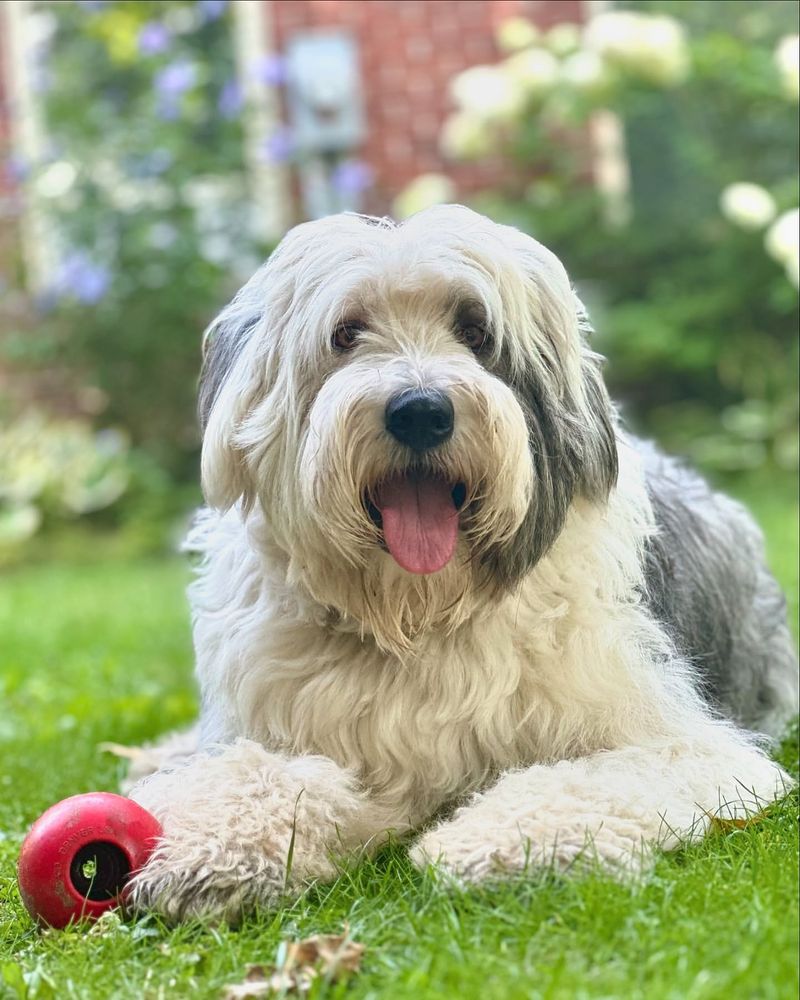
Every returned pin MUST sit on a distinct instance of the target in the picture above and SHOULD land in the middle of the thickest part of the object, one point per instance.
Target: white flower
(95, 492)
(219, 188)
(487, 92)
(535, 71)
(781, 240)
(782, 243)
(106, 174)
(748, 206)
(787, 58)
(563, 38)
(133, 195)
(25, 472)
(55, 180)
(182, 20)
(128, 194)
(652, 47)
(465, 137)
(585, 72)
(18, 523)
(423, 192)
(613, 31)
(39, 27)
(515, 33)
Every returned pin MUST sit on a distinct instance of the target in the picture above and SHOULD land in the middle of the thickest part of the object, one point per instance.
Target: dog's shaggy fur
(558, 689)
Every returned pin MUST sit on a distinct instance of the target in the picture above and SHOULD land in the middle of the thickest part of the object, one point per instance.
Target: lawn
(99, 650)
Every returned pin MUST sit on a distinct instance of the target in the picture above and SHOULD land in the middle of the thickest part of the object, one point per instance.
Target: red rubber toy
(80, 854)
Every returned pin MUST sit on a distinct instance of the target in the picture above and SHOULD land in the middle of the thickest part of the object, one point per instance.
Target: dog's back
(709, 583)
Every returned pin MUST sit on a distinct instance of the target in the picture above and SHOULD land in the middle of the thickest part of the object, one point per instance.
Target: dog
(443, 595)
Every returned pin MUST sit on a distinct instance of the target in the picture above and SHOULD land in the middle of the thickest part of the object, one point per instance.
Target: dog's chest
(423, 732)
(517, 685)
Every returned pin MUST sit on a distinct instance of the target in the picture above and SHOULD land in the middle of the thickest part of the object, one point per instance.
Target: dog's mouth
(418, 516)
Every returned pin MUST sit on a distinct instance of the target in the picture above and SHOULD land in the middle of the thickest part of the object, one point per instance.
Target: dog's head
(413, 407)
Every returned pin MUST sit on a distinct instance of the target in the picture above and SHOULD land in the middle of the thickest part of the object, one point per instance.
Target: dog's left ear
(571, 420)
(227, 390)
(565, 384)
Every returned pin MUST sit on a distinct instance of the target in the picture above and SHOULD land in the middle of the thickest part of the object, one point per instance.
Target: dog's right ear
(226, 392)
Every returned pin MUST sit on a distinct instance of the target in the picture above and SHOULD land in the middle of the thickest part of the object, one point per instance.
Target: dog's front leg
(613, 807)
(244, 826)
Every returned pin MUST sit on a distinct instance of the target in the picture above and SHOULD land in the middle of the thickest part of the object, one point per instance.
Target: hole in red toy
(99, 870)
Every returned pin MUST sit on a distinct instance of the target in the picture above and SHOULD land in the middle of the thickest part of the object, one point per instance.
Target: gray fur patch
(708, 583)
(571, 457)
(380, 221)
(224, 341)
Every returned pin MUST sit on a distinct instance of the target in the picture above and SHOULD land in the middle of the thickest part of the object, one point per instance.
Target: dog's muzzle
(418, 512)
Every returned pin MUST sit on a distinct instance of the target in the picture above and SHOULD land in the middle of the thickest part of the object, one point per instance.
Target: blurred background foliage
(146, 184)
(689, 270)
(681, 235)
(146, 192)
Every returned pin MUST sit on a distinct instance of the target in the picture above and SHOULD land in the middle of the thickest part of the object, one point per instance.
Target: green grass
(98, 651)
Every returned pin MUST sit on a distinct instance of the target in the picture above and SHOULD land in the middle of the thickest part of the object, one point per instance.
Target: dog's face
(413, 407)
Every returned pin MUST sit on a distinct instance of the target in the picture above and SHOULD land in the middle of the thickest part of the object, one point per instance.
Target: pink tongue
(420, 522)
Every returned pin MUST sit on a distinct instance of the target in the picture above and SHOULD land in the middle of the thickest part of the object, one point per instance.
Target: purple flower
(171, 83)
(175, 78)
(212, 9)
(92, 286)
(269, 70)
(229, 102)
(154, 37)
(352, 177)
(16, 169)
(280, 146)
(80, 278)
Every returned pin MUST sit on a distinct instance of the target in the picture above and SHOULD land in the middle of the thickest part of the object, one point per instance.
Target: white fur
(343, 697)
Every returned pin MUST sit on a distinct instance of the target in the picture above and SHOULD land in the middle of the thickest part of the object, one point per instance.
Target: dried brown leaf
(724, 824)
(720, 825)
(299, 963)
(257, 983)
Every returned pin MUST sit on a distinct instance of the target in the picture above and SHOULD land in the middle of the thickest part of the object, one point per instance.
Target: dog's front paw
(205, 878)
(242, 827)
(476, 845)
(466, 856)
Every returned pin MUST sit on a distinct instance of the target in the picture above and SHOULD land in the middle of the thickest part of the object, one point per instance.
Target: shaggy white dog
(442, 591)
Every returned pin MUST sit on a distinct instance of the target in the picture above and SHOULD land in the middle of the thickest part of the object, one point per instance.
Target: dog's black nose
(419, 419)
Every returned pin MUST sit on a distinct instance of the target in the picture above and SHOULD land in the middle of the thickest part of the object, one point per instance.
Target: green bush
(58, 473)
(143, 181)
(690, 275)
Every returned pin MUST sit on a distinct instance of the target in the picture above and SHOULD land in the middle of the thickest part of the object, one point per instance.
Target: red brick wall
(409, 51)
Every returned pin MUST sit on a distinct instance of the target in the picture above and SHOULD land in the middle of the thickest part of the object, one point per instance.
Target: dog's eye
(475, 336)
(345, 336)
